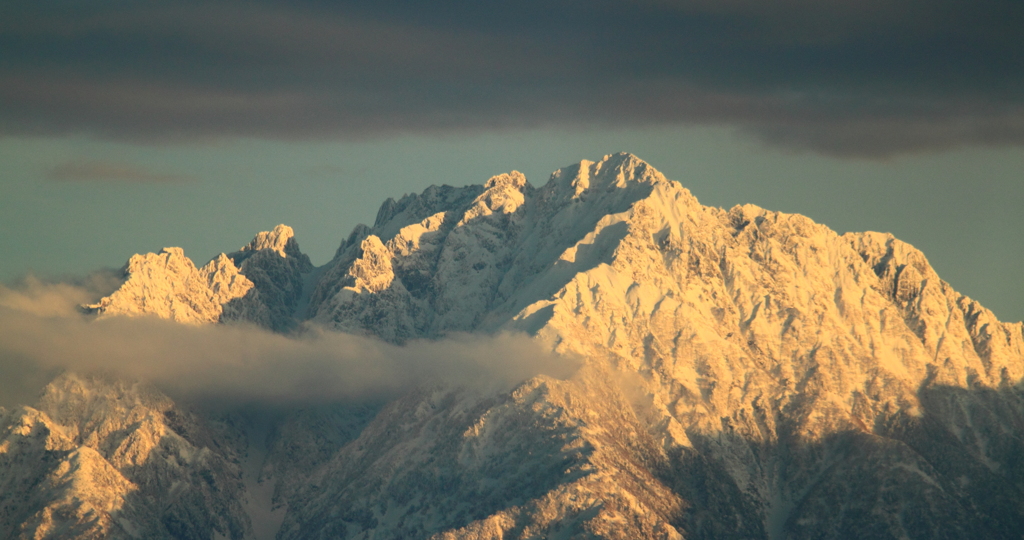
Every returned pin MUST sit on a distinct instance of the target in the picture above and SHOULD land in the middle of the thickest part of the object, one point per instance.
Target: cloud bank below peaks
(41, 334)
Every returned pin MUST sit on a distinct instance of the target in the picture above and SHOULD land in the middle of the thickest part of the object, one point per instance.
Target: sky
(130, 126)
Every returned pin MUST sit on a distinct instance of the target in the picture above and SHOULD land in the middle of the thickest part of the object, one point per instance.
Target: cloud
(47, 298)
(831, 76)
(109, 171)
(40, 335)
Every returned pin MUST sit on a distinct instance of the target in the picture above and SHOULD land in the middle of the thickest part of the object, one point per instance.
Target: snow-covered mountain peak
(261, 284)
(612, 171)
(514, 180)
(170, 258)
(504, 194)
(99, 458)
(168, 285)
(373, 271)
(280, 239)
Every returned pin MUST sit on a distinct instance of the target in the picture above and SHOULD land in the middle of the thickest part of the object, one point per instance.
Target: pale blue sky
(961, 207)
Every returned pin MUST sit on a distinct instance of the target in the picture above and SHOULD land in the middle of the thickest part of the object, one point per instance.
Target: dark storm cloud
(863, 78)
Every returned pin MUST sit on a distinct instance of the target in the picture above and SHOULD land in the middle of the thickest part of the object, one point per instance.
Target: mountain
(98, 458)
(744, 374)
(260, 283)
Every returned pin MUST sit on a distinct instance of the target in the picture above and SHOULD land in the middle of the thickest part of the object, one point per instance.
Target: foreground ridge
(746, 373)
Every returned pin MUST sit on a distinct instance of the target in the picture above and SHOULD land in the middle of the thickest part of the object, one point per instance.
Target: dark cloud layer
(869, 77)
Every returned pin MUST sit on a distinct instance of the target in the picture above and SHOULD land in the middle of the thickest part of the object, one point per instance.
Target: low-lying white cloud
(42, 333)
(35, 296)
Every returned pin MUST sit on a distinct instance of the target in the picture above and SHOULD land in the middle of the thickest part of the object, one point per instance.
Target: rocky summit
(743, 373)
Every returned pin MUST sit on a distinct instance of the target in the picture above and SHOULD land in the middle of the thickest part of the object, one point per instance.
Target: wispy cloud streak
(109, 171)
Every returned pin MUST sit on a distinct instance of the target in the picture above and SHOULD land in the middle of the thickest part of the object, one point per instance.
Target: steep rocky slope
(261, 283)
(97, 458)
(746, 373)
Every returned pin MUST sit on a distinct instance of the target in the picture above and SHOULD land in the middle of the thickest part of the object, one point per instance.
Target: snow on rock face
(169, 286)
(758, 332)
(523, 464)
(949, 325)
(502, 194)
(461, 256)
(372, 272)
(261, 283)
(224, 280)
(281, 239)
(278, 270)
(110, 459)
(423, 269)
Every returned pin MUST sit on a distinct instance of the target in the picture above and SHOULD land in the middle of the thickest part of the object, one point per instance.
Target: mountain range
(738, 373)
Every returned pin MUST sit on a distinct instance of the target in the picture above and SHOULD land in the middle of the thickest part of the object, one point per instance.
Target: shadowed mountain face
(745, 374)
